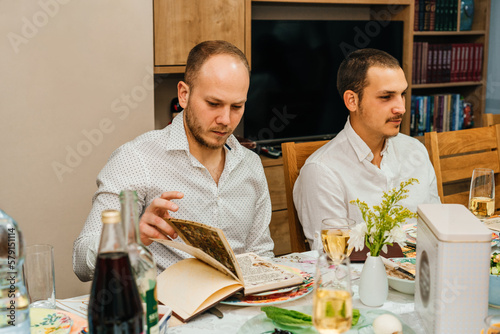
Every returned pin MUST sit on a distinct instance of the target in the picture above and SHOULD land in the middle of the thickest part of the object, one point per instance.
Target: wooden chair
(491, 119)
(454, 156)
(294, 157)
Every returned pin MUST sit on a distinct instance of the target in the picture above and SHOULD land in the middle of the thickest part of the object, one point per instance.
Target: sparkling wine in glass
(332, 300)
(335, 235)
(482, 193)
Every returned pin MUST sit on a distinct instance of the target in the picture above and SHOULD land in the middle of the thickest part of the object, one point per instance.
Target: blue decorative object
(466, 14)
(494, 292)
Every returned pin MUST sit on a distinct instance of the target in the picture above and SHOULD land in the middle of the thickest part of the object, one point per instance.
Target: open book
(193, 285)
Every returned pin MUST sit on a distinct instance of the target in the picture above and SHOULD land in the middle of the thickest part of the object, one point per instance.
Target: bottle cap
(110, 216)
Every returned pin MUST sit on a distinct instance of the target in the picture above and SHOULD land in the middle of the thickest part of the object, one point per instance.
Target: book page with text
(261, 275)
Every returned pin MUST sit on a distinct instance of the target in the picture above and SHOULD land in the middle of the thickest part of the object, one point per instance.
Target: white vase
(373, 284)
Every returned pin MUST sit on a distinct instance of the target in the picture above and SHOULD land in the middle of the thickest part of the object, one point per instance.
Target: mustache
(219, 129)
(395, 118)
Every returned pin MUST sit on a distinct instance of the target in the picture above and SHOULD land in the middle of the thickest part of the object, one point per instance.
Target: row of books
(442, 112)
(436, 15)
(436, 63)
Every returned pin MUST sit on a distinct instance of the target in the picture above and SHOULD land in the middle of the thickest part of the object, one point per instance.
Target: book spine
(448, 63)
(416, 16)
(440, 64)
(454, 15)
(432, 16)
(421, 15)
(425, 46)
(480, 62)
(430, 113)
(430, 51)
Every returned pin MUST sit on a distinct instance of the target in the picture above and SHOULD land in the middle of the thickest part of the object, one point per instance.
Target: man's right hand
(152, 223)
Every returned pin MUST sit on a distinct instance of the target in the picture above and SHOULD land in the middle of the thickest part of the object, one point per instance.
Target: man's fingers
(172, 195)
(151, 221)
(147, 232)
(161, 206)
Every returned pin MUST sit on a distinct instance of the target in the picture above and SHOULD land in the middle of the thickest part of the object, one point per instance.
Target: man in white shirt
(369, 156)
(193, 169)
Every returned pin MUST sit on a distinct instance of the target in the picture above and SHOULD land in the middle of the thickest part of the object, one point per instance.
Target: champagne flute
(335, 235)
(482, 193)
(332, 300)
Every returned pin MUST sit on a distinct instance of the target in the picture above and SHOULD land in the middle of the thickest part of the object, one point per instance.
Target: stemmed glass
(482, 192)
(332, 300)
(335, 235)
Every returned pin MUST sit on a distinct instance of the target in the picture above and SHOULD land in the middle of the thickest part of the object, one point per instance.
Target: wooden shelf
(447, 84)
(449, 33)
(169, 69)
(343, 2)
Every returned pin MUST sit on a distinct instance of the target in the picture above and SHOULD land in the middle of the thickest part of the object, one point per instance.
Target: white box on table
(453, 255)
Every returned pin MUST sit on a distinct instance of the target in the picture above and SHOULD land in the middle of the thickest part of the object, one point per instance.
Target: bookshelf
(472, 88)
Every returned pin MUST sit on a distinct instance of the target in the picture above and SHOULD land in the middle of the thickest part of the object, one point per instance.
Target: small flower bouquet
(382, 224)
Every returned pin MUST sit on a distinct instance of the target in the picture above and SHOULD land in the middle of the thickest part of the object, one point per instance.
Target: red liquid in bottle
(115, 306)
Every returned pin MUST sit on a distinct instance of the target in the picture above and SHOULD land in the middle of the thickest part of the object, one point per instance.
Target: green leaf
(284, 316)
(355, 316)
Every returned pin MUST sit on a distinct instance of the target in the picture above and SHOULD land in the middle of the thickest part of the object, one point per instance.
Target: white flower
(357, 236)
(396, 235)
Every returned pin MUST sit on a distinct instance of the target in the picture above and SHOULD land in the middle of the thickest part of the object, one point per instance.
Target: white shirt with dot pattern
(159, 161)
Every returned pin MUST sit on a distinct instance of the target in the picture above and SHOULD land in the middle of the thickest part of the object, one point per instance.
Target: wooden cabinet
(181, 24)
(280, 232)
(474, 91)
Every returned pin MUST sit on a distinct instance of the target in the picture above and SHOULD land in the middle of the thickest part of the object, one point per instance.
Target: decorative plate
(274, 298)
(48, 321)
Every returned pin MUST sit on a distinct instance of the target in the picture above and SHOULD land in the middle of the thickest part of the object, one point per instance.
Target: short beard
(196, 131)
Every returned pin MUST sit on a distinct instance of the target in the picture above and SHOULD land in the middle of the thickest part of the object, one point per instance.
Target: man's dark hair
(203, 51)
(352, 71)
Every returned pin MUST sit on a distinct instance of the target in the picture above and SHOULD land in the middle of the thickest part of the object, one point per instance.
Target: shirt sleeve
(124, 170)
(318, 194)
(259, 239)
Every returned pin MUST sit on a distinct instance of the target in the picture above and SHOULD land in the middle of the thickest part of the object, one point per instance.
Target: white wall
(75, 83)
(493, 79)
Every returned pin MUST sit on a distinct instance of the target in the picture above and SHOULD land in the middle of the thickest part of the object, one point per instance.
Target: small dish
(399, 284)
(45, 321)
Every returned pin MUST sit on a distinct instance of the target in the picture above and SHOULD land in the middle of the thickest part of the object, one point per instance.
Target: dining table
(242, 318)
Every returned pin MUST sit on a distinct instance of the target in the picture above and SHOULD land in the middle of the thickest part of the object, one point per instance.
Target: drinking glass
(492, 324)
(332, 300)
(335, 235)
(39, 271)
(482, 193)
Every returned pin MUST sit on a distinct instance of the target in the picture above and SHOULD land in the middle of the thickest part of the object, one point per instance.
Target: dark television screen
(293, 87)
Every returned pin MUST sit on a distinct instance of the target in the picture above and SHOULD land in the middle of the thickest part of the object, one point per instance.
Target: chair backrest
(294, 157)
(454, 156)
(491, 119)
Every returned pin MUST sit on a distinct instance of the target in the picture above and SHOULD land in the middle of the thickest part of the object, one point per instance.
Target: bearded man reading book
(193, 169)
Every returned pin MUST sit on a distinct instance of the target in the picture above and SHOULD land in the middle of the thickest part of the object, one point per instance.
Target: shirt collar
(360, 148)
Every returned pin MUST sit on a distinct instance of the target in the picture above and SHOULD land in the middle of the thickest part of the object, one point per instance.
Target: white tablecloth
(235, 316)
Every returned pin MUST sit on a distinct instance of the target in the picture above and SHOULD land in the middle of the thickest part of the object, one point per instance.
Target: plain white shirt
(159, 161)
(341, 171)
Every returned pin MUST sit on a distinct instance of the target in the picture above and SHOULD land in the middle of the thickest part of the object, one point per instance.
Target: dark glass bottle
(115, 305)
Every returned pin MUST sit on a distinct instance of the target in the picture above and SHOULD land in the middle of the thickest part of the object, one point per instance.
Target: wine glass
(492, 324)
(482, 193)
(332, 300)
(335, 235)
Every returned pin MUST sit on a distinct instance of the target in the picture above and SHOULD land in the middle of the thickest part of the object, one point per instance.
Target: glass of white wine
(482, 192)
(335, 235)
(332, 300)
